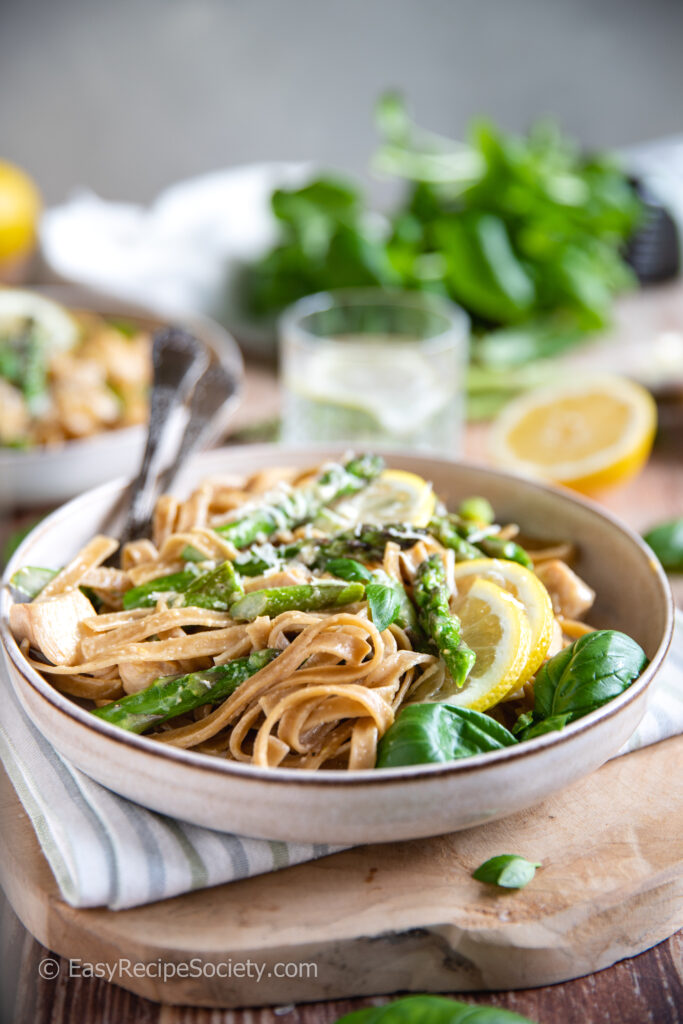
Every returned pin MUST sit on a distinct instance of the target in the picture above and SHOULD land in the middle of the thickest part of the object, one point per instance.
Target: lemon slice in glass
(496, 627)
(587, 434)
(526, 587)
(396, 496)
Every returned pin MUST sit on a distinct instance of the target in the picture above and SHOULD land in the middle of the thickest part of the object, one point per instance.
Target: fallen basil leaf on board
(507, 870)
(435, 733)
(425, 1009)
(666, 540)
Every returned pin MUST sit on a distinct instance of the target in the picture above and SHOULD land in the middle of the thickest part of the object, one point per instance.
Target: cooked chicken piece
(571, 597)
(137, 676)
(54, 626)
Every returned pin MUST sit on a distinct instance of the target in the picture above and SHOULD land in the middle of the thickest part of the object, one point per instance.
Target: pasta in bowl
(322, 619)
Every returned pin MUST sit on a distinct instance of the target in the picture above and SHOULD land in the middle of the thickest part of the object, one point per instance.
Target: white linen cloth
(184, 252)
(106, 850)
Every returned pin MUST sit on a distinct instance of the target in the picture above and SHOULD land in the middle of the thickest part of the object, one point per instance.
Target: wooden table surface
(647, 989)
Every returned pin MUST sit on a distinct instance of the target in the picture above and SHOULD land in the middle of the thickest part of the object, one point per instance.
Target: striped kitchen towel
(107, 851)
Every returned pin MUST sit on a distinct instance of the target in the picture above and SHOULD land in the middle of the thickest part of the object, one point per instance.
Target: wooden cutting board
(404, 916)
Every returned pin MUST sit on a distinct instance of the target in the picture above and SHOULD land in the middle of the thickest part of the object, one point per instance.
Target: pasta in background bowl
(344, 802)
(88, 424)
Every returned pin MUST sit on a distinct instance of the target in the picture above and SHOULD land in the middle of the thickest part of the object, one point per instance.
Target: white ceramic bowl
(367, 806)
(44, 476)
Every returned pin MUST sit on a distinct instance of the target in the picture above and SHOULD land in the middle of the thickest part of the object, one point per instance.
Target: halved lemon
(526, 587)
(587, 434)
(57, 326)
(19, 212)
(496, 627)
(396, 496)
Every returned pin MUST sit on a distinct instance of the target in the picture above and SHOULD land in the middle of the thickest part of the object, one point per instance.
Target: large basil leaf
(434, 733)
(432, 1010)
(593, 670)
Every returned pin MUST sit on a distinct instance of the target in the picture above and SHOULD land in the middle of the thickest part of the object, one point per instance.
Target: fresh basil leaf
(436, 733)
(552, 724)
(524, 721)
(666, 540)
(348, 569)
(427, 1009)
(507, 870)
(384, 601)
(406, 616)
(590, 672)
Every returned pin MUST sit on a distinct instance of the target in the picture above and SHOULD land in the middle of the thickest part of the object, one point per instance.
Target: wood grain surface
(381, 918)
(647, 989)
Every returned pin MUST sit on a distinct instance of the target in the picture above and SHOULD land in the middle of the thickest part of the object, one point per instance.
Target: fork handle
(178, 361)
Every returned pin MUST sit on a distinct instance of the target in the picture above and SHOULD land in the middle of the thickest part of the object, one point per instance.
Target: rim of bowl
(336, 777)
(213, 335)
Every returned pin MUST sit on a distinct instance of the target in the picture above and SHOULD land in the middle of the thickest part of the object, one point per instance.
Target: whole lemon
(19, 211)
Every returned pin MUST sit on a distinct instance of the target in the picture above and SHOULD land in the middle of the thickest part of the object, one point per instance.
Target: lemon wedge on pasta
(526, 587)
(496, 627)
(396, 496)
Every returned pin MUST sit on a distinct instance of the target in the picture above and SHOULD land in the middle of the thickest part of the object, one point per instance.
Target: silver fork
(217, 387)
(179, 360)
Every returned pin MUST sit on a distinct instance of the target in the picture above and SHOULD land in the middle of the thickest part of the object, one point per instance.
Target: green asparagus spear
(31, 579)
(171, 696)
(470, 540)
(366, 541)
(446, 532)
(431, 596)
(477, 510)
(147, 594)
(496, 547)
(215, 589)
(305, 597)
(302, 504)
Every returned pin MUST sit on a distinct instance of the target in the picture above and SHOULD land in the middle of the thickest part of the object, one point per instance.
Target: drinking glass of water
(367, 365)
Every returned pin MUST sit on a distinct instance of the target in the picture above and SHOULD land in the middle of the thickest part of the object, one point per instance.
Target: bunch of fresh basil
(525, 233)
(590, 672)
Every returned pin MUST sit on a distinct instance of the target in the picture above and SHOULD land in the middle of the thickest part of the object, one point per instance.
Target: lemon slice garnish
(396, 496)
(496, 627)
(526, 587)
(587, 434)
(58, 328)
